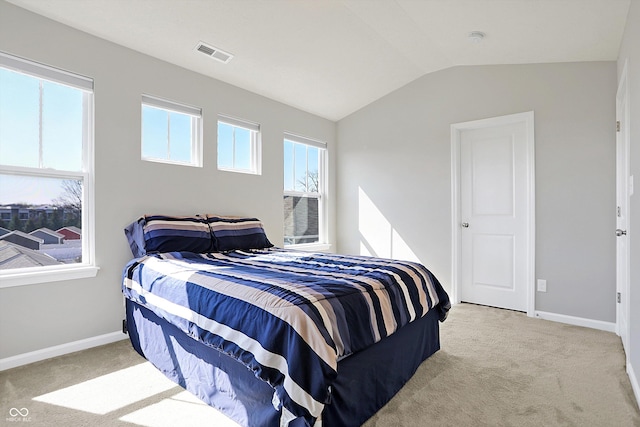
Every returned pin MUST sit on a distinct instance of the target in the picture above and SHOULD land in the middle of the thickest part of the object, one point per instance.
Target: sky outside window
(301, 167)
(62, 121)
(19, 106)
(154, 133)
(243, 149)
(61, 127)
(289, 178)
(180, 137)
(225, 146)
(236, 146)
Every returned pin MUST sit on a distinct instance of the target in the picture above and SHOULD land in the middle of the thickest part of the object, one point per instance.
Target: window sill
(310, 247)
(244, 171)
(195, 164)
(21, 278)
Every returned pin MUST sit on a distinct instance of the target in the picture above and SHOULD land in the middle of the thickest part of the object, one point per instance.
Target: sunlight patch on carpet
(110, 392)
(183, 409)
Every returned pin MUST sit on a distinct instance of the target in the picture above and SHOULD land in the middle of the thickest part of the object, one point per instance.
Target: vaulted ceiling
(332, 57)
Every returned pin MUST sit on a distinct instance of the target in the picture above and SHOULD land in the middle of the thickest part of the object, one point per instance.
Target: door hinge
(618, 297)
(619, 212)
(618, 126)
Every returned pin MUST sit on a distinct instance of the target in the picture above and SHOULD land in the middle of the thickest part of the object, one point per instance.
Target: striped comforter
(288, 316)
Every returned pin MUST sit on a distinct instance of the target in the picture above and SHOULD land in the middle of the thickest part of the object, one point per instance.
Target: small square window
(238, 146)
(171, 132)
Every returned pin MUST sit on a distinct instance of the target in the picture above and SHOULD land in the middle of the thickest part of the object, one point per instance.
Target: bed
(274, 337)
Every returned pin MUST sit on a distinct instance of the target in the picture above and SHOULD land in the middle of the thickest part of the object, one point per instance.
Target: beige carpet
(501, 368)
(495, 368)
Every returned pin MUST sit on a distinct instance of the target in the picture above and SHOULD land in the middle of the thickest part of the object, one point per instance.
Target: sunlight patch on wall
(400, 249)
(183, 409)
(375, 230)
(109, 392)
(377, 235)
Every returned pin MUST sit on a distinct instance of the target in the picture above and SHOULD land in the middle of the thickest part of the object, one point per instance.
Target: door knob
(621, 232)
(465, 225)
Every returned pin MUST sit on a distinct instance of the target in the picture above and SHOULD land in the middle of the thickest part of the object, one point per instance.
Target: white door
(496, 212)
(622, 209)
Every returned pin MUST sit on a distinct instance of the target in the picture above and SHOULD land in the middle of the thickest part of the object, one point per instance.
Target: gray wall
(630, 50)
(39, 316)
(397, 152)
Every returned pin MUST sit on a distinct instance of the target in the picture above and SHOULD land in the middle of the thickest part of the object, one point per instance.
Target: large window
(171, 132)
(304, 161)
(46, 172)
(238, 145)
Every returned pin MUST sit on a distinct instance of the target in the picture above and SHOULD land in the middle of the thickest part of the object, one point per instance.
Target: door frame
(624, 288)
(456, 130)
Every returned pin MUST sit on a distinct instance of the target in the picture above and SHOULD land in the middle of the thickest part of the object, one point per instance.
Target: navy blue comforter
(288, 316)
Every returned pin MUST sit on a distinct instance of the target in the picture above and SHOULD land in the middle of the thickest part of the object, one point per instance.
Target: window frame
(321, 194)
(87, 267)
(255, 150)
(196, 129)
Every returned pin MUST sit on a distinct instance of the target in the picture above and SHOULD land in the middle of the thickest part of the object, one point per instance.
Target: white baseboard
(59, 350)
(577, 321)
(634, 382)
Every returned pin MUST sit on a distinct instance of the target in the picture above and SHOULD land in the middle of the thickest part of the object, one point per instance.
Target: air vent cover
(214, 52)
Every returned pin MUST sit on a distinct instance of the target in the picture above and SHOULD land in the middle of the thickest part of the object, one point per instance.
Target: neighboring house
(50, 237)
(302, 227)
(23, 239)
(15, 256)
(24, 213)
(8, 212)
(4, 231)
(5, 213)
(70, 232)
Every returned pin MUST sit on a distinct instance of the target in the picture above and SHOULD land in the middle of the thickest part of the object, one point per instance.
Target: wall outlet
(542, 285)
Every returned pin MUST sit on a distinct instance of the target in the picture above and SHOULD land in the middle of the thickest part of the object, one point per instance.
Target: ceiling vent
(214, 52)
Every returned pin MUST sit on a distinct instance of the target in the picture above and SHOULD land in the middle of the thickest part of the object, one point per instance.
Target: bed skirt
(366, 380)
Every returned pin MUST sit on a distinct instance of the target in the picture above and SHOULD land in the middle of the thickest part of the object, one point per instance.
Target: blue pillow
(231, 233)
(135, 237)
(161, 233)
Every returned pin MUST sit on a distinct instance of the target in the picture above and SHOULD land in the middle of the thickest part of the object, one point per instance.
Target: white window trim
(304, 140)
(86, 268)
(311, 247)
(322, 245)
(173, 106)
(32, 68)
(27, 276)
(196, 129)
(255, 162)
